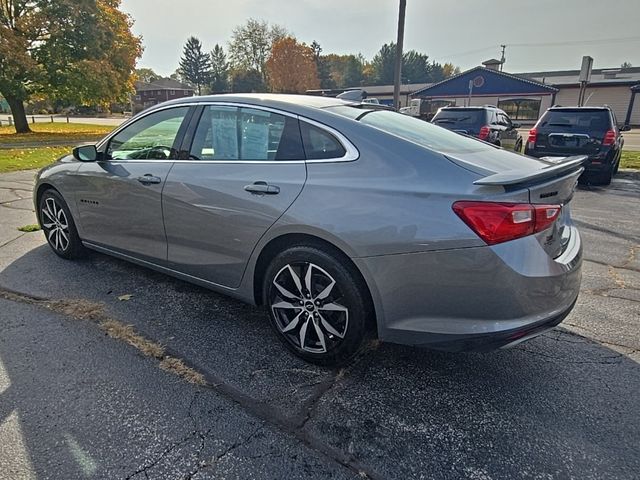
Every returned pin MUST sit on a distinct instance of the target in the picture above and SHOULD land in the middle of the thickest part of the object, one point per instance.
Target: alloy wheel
(306, 303)
(55, 224)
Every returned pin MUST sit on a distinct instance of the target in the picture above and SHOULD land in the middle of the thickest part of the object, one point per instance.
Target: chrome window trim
(351, 152)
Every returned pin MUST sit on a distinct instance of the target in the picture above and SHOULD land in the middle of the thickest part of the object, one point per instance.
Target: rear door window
(239, 133)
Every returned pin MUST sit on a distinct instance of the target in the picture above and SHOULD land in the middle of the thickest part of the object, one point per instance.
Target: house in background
(608, 86)
(158, 91)
(526, 96)
(523, 99)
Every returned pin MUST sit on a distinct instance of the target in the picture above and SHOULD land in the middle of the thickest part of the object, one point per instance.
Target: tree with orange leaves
(291, 67)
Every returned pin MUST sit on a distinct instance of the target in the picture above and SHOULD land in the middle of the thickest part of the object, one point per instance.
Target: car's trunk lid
(547, 183)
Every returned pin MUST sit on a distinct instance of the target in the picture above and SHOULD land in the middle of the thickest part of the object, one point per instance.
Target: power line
(601, 41)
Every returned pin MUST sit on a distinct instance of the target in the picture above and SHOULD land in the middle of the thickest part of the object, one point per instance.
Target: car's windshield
(415, 130)
(459, 117)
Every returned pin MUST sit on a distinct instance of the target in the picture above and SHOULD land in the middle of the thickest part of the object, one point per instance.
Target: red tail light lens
(609, 137)
(533, 136)
(484, 132)
(500, 222)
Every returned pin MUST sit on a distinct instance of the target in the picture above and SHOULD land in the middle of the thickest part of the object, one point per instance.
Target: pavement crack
(624, 266)
(266, 413)
(13, 239)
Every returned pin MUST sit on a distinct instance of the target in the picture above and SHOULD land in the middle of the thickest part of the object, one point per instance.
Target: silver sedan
(345, 220)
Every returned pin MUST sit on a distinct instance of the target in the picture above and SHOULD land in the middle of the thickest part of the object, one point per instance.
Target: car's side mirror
(85, 153)
(625, 128)
(516, 125)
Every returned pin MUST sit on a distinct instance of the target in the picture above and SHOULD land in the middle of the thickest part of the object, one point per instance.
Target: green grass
(62, 132)
(630, 159)
(14, 159)
(29, 228)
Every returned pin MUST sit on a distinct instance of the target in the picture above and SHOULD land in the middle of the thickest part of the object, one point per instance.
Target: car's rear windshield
(459, 117)
(414, 130)
(576, 120)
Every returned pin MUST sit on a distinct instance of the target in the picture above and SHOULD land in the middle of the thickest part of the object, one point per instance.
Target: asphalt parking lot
(75, 402)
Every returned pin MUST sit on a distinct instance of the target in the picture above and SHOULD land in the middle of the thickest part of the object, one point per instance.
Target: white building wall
(616, 97)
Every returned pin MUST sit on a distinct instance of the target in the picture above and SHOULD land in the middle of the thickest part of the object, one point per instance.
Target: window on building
(521, 108)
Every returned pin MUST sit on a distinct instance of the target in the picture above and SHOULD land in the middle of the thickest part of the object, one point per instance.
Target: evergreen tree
(195, 65)
(219, 81)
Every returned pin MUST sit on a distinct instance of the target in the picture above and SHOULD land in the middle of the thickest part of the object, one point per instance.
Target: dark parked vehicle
(345, 220)
(590, 131)
(487, 123)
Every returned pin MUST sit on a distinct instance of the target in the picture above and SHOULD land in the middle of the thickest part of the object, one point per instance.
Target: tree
(291, 67)
(251, 45)
(626, 65)
(345, 70)
(322, 66)
(78, 51)
(147, 75)
(247, 81)
(416, 67)
(383, 64)
(195, 65)
(449, 70)
(219, 81)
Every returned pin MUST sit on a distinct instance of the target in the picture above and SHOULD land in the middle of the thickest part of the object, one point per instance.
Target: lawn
(55, 132)
(13, 159)
(630, 159)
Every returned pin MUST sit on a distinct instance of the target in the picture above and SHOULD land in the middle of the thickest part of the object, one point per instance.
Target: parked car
(487, 123)
(590, 131)
(345, 220)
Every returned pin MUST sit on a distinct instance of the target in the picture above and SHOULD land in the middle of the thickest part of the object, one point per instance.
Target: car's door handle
(148, 179)
(262, 188)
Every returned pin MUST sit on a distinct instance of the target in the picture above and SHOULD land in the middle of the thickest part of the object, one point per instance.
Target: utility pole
(502, 59)
(398, 66)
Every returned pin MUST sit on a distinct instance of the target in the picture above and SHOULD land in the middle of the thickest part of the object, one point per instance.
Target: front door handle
(149, 179)
(262, 188)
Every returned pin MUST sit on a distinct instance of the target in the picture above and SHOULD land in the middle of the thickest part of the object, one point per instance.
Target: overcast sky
(540, 34)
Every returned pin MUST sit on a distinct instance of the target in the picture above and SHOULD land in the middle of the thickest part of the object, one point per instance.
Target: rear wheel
(58, 226)
(603, 178)
(518, 147)
(317, 305)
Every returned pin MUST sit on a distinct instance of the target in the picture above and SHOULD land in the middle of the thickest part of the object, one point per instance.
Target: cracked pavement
(75, 403)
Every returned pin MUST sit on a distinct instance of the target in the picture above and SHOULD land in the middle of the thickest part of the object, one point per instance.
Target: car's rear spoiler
(518, 177)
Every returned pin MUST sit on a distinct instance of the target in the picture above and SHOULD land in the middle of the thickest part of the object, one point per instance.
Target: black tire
(518, 147)
(59, 228)
(603, 178)
(316, 310)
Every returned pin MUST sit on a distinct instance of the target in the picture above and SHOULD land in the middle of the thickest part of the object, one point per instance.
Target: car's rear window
(459, 117)
(417, 131)
(576, 120)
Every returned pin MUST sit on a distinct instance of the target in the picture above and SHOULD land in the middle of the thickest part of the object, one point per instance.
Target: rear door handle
(262, 188)
(149, 179)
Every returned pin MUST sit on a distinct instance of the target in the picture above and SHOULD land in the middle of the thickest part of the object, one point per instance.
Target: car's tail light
(500, 222)
(484, 132)
(609, 137)
(533, 136)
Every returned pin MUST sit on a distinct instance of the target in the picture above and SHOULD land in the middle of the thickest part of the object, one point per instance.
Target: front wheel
(317, 304)
(58, 226)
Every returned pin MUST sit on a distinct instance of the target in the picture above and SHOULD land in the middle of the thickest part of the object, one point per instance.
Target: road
(76, 402)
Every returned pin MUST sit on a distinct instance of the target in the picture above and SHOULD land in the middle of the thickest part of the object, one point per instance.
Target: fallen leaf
(125, 297)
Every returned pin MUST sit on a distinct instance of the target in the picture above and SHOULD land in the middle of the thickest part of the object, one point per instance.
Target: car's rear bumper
(596, 163)
(478, 298)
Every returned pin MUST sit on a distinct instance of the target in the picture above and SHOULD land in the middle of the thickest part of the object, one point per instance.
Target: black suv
(591, 131)
(487, 123)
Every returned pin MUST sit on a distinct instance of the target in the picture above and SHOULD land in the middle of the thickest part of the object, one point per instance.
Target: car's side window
(505, 121)
(150, 138)
(239, 133)
(320, 144)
